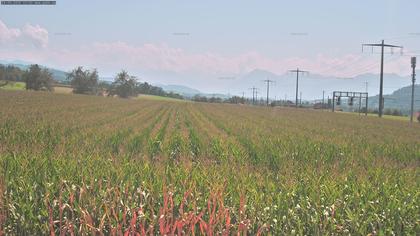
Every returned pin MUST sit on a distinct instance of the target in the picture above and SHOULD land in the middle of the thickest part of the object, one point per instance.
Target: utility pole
(268, 87)
(328, 102)
(323, 96)
(300, 99)
(413, 65)
(360, 99)
(297, 71)
(253, 94)
(381, 83)
(256, 95)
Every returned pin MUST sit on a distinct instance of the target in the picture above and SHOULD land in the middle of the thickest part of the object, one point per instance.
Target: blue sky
(194, 42)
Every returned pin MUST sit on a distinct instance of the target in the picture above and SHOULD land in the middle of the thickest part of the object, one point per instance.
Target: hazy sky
(195, 42)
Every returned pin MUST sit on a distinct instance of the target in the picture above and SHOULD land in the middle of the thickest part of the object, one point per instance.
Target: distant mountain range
(397, 89)
(180, 89)
(310, 85)
(189, 92)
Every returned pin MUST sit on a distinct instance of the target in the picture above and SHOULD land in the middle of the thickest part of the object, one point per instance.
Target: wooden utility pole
(300, 99)
(254, 92)
(381, 83)
(297, 71)
(413, 66)
(268, 87)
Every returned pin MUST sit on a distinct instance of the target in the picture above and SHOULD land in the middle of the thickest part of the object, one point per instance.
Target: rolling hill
(399, 99)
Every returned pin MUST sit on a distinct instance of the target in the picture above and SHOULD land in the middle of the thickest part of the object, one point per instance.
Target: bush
(396, 112)
(393, 112)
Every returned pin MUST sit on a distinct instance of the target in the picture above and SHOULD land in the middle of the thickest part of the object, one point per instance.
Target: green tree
(2, 72)
(37, 78)
(235, 100)
(124, 85)
(83, 81)
(11, 73)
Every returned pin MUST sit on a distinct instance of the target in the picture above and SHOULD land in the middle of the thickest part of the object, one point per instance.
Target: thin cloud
(28, 36)
(8, 34)
(36, 34)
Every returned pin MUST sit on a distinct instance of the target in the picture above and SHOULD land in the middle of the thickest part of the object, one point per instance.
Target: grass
(63, 89)
(391, 117)
(95, 165)
(159, 98)
(11, 85)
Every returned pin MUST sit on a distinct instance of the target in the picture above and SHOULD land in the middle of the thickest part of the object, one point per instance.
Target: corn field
(85, 165)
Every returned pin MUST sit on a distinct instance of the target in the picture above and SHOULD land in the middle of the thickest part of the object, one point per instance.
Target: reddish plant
(2, 210)
(213, 219)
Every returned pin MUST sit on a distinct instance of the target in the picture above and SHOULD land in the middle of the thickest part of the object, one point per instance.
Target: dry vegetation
(93, 165)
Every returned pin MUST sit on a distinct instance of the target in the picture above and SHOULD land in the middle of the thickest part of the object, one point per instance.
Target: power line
(382, 45)
(348, 65)
(360, 70)
(368, 68)
(334, 67)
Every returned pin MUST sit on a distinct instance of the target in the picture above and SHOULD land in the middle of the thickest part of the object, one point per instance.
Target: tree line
(11, 73)
(35, 77)
(82, 81)
(233, 99)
